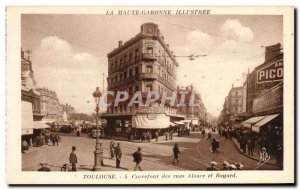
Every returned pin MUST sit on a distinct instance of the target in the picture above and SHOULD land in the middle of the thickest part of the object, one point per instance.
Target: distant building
(235, 100)
(197, 112)
(49, 104)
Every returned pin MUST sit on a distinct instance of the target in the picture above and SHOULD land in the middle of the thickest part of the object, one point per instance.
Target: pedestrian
(73, 159)
(225, 165)
(57, 139)
(250, 147)
(137, 159)
(209, 136)
(203, 132)
(212, 167)
(171, 135)
(239, 166)
(176, 152)
(166, 135)
(118, 154)
(52, 137)
(24, 146)
(43, 168)
(279, 155)
(112, 148)
(156, 136)
(214, 145)
(232, 167)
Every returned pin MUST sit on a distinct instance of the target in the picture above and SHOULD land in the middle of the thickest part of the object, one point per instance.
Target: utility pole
(103, 82)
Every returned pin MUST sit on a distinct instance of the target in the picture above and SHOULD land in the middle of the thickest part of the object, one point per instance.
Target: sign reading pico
(271, 73)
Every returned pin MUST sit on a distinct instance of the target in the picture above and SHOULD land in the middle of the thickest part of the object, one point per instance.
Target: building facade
(195, 112)
(49, 104)
(144, 63)
(265, 76)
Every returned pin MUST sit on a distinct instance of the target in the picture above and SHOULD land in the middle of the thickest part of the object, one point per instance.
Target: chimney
(272, 51)
(120, 43)
(232, 85)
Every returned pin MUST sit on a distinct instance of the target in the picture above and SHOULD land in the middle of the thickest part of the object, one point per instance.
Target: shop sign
(151, 110)
(271, 73)
(271, 99)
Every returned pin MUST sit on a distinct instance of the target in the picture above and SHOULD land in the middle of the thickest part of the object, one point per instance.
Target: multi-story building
(196, 112)
(49, 104)
(144, 63)
(235, 100)
(265, 76)
(30, 100)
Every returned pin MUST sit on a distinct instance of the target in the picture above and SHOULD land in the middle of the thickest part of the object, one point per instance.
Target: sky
(69, 52)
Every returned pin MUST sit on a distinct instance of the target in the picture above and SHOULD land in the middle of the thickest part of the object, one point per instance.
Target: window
(149, 50)
(149, 88)
(136, 88)
(130, 90)
(125, 59)
(149, 69)
(130, 73)
(136, 70)
(125, 75)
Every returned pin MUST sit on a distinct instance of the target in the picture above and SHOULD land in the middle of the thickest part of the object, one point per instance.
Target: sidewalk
(34, 148)
(256, 154)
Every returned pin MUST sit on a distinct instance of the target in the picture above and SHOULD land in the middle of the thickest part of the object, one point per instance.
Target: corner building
(143, 63)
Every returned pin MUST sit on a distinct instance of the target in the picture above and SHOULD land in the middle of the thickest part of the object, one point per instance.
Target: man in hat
(137, 159)
(212, 167)
(43, 168)
(176, 153)
(118, 154)
(232, 167)
(225, 165)
(239, 166)
(73, 159)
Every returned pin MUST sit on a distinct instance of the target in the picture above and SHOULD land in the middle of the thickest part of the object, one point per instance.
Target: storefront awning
(179, 123)
(40, 125)
(256, 127)
(27, 118)
(172, 124)
(154, 121)
(248, 123)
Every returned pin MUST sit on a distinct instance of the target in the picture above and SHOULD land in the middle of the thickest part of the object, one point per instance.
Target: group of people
(115, 151)
(225, 166)
(42, 139)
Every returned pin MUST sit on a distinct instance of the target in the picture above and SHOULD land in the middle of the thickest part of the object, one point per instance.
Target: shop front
(27, 122)
(267, 120)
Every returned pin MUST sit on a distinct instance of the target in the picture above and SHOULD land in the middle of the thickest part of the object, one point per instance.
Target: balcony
(148, 76)
(151, 56)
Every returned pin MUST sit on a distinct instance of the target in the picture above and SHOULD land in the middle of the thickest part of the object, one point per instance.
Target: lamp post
(98, 153)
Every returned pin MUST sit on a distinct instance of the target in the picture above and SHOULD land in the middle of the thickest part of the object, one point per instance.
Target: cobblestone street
(195, 155)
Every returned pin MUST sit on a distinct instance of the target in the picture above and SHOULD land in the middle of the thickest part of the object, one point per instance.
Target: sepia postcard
(150, 95)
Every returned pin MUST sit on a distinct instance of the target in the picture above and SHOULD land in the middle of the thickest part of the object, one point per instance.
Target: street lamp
(98, 149)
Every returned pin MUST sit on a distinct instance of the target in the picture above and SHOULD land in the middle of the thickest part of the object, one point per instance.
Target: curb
(253, 158)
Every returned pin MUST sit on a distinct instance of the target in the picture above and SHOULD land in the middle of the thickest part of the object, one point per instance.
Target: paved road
(195, 154)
